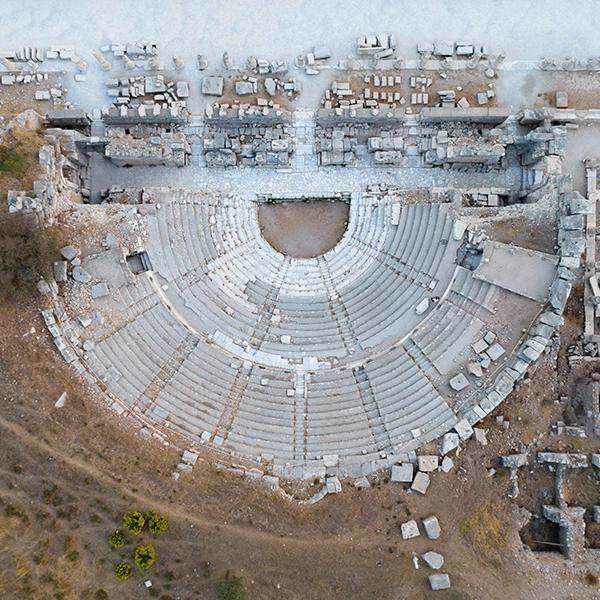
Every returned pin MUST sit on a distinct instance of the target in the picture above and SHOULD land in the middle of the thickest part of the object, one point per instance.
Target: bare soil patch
(303, 229)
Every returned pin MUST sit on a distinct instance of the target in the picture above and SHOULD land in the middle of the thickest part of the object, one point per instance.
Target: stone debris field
(381, 354)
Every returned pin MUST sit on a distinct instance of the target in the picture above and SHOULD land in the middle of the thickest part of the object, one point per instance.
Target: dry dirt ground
(68, 474)
(303, 229)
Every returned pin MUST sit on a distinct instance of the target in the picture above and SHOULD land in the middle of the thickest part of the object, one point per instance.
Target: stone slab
(403, 473)
(409, 530)
(433, 560)
(432, 527)
(421, 483)
(439, 581)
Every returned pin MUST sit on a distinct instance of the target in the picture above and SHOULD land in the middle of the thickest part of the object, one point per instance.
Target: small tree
(117, 539)
(133, 520)
(157, 524)
(144, 556)
(123, 570)
(230, 589)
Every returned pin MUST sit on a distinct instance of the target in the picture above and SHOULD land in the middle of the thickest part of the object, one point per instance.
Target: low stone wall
(493, 115)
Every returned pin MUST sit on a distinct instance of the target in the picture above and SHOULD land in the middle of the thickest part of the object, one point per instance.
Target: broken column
(513, 462)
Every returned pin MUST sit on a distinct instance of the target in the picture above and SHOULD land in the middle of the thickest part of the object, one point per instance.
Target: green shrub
(117, 539)
(133, 520)
(12, 162)
(26, 254)
(156, 523)
(501, 473)
(123, 571)
(100, 595)
(231, 589)
(144, 556)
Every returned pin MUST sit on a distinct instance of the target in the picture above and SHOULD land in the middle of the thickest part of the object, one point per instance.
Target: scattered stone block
(361, 482)
(443, 48)
(447, 464)
(183, 89)
(422, 306)
(244, 88)
(465, 50)
(495, 351)
(61, 400)
(409, 530)
(482, 98)
(459, 382)
(212, 86)
(403, 473)
(458, 229)
(480, 435)
(81, 275)
(433, 559)
(432, 527)
(480, 346)
(421, 483)
(69, 252)
(475, 369)
(450, 441)
(60, 271)
(43, 287)
(270, 86)
(428, 463)
(99, 290)
(439, 581)
(489, 337)
(464, 429)
(321, 52)
(425, 48)
(84, 321)
(333, 485)
(189, 457)
(596, 513)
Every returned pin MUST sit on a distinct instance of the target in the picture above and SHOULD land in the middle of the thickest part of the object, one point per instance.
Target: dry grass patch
(19, 166)
(486, 530)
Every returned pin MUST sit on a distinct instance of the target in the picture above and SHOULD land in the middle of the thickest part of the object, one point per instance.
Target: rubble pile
(381, 45)
(262, 66)
(452, 50)
(249, 145)
(486, 197)
(148, 91)
(315, 61)
(135, 55)
(169, 149)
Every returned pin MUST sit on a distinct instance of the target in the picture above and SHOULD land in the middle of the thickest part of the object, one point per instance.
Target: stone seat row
(315, 324)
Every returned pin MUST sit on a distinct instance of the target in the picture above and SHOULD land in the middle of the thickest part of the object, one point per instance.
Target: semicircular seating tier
(288, 360)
